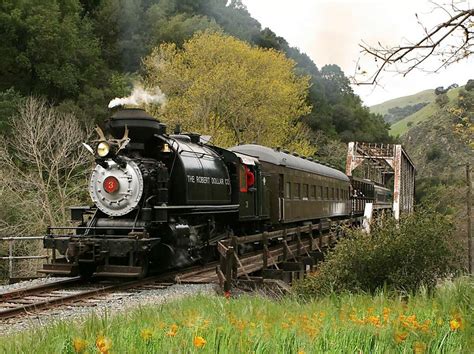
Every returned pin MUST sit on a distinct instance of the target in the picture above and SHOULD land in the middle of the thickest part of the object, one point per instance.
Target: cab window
(243, 179)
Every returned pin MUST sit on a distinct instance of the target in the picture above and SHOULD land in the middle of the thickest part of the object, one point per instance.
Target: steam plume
(140, 96)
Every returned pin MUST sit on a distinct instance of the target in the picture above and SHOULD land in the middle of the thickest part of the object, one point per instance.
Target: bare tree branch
(449, 42)
(42, 167)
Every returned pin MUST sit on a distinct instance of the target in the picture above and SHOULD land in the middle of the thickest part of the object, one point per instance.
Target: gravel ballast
(29, 283)
(111, 304)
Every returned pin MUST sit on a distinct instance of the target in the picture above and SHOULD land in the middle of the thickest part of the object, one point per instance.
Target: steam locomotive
(164, 200)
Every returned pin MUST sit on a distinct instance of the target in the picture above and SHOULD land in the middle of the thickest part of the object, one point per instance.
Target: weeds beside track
(344, 323)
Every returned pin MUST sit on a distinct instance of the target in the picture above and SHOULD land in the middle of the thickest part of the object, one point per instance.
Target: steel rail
(22, 292)
(17, 298)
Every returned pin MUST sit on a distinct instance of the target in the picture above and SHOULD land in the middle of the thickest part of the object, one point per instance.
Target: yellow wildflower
(173, 330)
(400, 337)
(301, 351)
(419, 348)
(425, 326)
(285, 325)
(373, 320)
(199, 342)
(79, 345)
(386, 314)
(103, 344)
(455, 324)
(146, 334)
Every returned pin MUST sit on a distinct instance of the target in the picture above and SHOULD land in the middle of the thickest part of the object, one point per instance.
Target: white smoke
(140, 96)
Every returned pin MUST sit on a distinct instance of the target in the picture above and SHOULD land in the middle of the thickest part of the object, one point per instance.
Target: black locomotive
(164, 200)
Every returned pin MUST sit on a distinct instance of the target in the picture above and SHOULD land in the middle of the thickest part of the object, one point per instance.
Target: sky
(330, 31)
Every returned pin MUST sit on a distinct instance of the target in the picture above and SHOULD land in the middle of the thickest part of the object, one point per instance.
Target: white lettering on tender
(208, 180)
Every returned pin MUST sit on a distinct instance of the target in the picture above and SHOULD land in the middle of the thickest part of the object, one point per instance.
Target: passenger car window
(305, 192)
(296, 191)
(287, 190)
(313, 192)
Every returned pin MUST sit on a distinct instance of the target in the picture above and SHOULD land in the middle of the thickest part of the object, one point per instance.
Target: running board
(60, 269)
(118, 271)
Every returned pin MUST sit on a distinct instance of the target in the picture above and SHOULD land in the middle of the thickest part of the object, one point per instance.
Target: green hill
(434, 141)
(402, 126)
(422, 96)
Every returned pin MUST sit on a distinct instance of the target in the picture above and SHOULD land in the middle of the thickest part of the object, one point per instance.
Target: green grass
(251, 324)
(401, 127)
(424, 114)
(422, 96)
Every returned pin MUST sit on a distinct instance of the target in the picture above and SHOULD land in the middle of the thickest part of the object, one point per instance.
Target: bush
(442, 99)
(434, 153)
(417, 251)
(470, 85)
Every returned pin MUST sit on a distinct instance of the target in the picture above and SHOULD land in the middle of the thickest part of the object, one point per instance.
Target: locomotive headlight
(103, 149)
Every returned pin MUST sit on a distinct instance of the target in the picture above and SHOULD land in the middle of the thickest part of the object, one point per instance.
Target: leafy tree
(176, 29)
(469, 85)
(9, 102)
(48, 48)
(221, 86)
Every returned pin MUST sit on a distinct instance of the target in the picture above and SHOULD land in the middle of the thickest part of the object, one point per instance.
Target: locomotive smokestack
(141, 125)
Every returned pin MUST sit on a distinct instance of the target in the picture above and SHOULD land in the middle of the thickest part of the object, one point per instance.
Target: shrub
(442, 99)
(434, 153)
(417, 251)
(470, 85)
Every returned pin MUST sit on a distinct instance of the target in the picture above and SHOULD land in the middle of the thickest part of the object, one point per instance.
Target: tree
(449, 42)
(46, 48)
(49, 48)
(41, 168)
(237, 93)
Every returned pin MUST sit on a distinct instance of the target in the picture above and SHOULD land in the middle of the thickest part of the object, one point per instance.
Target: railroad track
(78, 292)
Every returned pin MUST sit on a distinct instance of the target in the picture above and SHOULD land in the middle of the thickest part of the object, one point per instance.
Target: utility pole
(469, 224)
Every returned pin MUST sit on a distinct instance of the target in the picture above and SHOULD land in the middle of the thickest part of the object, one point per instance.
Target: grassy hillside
(402, 126)
(439, 144)
(423, 96)
(427, 112)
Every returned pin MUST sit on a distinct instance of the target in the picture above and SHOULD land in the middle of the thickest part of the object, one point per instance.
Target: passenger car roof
(281, 158)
